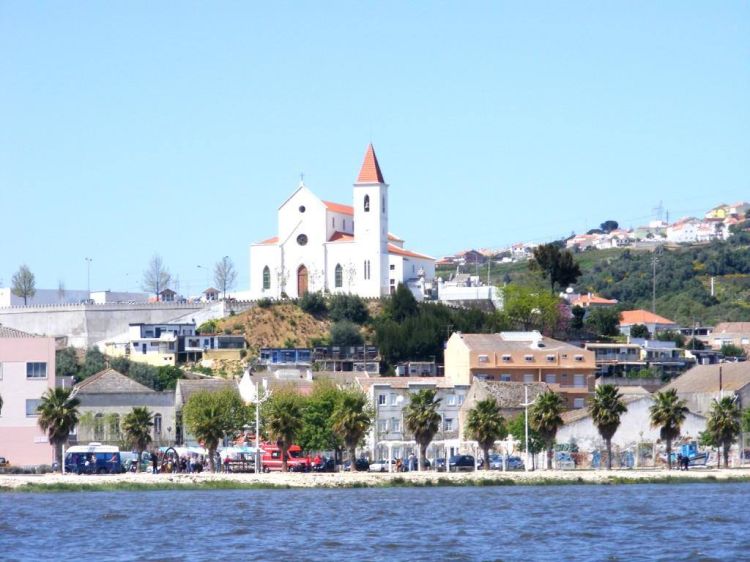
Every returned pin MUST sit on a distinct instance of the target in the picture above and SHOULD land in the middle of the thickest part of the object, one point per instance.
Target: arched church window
(367, 203)
(266, 278)
(338, 276)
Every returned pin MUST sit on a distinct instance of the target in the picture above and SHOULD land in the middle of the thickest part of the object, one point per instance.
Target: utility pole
(88, 277)
(654, 260)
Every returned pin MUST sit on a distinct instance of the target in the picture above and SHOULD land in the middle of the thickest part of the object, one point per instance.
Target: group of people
(409, 466)
(683, 461)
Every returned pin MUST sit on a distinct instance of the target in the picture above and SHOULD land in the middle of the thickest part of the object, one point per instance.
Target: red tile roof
(586, 300)
(339, 208)
(274, 240)
(392, 249)
(642, 317)
(341, 237)
(370, 171)
(394, 237)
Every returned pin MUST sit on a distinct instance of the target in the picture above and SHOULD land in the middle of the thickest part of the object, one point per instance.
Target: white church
(336, 248)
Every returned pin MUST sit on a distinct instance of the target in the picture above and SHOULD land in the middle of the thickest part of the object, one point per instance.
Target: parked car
(427, 465)
(326, 464)
(4, 462)
(382, 466)
(362, 465)
(461, 463)
(440, 465)
(295, 461)
(513, 463)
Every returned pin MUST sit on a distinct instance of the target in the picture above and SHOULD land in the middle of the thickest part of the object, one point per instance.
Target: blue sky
(178, 128)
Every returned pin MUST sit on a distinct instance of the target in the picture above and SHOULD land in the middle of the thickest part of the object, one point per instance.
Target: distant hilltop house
(326, 246)
(589, 300)
(618, 238)
(653, 322)
(731, 333)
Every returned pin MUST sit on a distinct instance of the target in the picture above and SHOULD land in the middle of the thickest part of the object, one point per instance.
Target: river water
(626, 522)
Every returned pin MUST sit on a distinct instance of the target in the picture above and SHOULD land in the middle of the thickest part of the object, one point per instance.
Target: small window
(382, 426)
(393, 267)
(579, 381)
(266, 278)
(528, 378)
(31, 406)
(393, 399)
(302, 239)
(579, 357)
(550, 378)
(551, 358)
(367, 204)
(395, 424)
(157, 424)
(505, 378)
(484, 359)
(451, 400)
(579, 402)
(506, 358)
(338, 276)
(36, 370)
(460, 399)
(302, 209)
(448, 424)
(381, 399)
(528, 358)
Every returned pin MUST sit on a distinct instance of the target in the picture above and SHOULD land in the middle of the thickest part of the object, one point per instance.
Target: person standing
(154, 463)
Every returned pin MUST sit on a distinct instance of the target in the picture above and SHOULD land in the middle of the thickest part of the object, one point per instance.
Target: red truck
(271, 458)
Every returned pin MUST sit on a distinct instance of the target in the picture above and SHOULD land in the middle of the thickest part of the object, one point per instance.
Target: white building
(325, 246)
(69, 296)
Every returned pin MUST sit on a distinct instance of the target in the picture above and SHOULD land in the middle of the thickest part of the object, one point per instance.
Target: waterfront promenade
(365, 479)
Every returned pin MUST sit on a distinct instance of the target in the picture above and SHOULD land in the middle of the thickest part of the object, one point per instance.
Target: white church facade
(335, 248)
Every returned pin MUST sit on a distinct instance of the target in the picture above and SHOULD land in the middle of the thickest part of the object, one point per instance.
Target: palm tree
(606, 407)
(58, 416)
(668, 414)
(351, 419)
(724, 424)
(485, 424)
(137, 429)
(544, 417)
(283, 421)
(422, 419)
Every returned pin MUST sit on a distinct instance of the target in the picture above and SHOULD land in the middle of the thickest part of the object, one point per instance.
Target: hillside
(279, 325)
(683, 279)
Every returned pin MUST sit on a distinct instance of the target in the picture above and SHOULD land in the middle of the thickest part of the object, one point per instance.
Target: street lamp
(88, 276)
(526, 405)
(204, 268)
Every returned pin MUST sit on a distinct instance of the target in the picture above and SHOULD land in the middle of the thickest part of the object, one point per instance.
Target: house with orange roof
(338, 248)
(653, 322)
(590, 300)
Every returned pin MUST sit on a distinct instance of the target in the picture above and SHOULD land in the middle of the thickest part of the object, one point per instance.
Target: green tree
(606, 407)
(23, 284)
(58, 416)
(93, 362)
(695, 343)
(136, 425)
(639, 331)
(283, 420)
(517, 428)
(485, 424)
(402, 305)
(530, 309)
(210, 416)
(557, 266)
(603, 321)
(578, 313)
(544, 417)
(668, 414)
(421, 418)
(608, 226)
(671, 336)
(349, 307)
(345, 333)
(731, 350)
(724, 424)
(66, 362)
(352, 418)
(746, 420)
(317, 427)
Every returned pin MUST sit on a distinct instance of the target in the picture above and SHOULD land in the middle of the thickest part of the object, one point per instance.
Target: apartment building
(27, 371)
(525, 357)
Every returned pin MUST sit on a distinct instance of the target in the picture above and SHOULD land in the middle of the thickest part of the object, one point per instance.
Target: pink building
(27, 370)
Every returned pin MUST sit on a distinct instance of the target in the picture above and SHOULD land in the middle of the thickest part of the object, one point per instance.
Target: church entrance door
(301, 280)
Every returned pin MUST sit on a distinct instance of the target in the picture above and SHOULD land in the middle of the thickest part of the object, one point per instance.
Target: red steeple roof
(370, 171)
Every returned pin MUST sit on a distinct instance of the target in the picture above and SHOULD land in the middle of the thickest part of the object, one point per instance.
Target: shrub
(313, 303)
(265, 303)
(208, 327)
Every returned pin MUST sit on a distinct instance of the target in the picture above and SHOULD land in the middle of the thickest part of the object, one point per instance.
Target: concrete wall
(86, 324)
